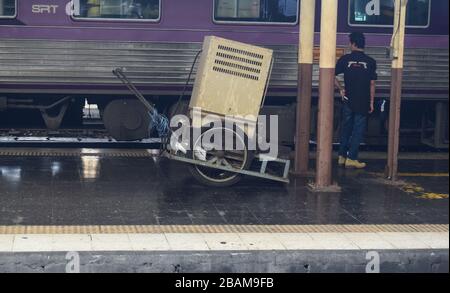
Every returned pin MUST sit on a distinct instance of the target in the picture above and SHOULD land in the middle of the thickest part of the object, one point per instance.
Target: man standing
(360, 74)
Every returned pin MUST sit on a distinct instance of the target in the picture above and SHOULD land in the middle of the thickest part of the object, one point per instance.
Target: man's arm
(340, 68)
(338, 85)
(373, 85)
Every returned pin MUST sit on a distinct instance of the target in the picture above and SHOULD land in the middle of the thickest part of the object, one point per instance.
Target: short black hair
(358, 39)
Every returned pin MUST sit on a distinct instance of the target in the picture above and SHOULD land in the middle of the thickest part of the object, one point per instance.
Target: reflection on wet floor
(95, 190)
(11, 174)
(90, 167)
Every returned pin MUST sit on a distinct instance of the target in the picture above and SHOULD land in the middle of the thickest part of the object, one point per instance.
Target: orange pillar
(398, 49)
(305, 72)
(324, 161)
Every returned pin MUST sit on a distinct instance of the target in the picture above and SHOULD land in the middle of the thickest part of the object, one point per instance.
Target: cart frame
(262, 173)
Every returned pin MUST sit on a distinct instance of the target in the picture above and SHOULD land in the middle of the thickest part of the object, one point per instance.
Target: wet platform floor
(121, 190)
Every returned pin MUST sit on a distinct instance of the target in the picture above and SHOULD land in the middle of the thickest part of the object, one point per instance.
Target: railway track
(89, 136)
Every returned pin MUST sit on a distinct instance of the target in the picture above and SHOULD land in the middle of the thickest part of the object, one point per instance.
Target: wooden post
(328, 32)
(305, 72)
(398, 48)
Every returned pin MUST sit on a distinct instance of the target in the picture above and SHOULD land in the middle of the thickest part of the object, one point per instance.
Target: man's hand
(343, 94)
(338, 85)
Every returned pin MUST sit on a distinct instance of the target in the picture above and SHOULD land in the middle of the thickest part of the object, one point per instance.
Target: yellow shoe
(353, 164)
(341, 161)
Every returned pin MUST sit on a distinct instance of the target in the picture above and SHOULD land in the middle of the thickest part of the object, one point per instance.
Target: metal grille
(237, 65)
(153, 63)
(240, 51)
(235, 73)
(238, 62)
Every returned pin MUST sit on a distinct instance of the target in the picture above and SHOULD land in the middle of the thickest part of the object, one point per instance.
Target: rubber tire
(201, 179)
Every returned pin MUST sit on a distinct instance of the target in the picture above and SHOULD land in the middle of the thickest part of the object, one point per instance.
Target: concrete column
(328, 31)
(398, 48)
(2, 7)
(305, 70)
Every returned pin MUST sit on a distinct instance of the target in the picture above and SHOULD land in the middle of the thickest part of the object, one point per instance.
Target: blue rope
(160, 123)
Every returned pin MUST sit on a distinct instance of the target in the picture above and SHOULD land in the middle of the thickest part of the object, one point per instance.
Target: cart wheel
(215, 153)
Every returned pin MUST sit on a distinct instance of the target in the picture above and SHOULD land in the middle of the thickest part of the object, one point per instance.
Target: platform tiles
(222, 238)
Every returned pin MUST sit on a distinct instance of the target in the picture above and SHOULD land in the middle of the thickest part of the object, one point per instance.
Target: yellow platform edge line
(415, 174)
(184, 229)
(423, 174)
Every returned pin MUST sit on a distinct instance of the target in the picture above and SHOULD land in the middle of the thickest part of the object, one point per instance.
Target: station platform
(122, 210)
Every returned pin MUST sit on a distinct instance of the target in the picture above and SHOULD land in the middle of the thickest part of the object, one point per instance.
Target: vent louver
(238, 62)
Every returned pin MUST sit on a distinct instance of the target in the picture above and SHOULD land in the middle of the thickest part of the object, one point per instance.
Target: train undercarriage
(124, 119)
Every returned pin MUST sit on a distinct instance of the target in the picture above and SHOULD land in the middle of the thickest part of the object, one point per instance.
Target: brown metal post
(305, 70)
(328, 31)
(398, 48)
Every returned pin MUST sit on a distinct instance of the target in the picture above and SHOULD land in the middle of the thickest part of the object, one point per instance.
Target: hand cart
(209, 164)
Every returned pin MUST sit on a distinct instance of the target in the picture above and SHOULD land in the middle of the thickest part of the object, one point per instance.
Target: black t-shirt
(359, 70)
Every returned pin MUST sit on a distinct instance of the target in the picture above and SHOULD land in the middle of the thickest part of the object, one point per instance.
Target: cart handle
(124, 79)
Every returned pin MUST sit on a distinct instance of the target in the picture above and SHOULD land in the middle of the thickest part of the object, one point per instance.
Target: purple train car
(56, 54)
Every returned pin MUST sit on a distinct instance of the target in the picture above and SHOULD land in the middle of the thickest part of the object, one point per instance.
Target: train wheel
(215, 153)
(126, 120)
(74, 114)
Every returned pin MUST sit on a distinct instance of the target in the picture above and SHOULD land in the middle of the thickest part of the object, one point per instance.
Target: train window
(381, 13)
(149, 10)
(7, 8)
(256, 11)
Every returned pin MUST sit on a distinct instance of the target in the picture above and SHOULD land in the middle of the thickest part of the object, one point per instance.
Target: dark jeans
(353, 127)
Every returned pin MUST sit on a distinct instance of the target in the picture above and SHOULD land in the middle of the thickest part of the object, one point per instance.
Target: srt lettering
(41, 9)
